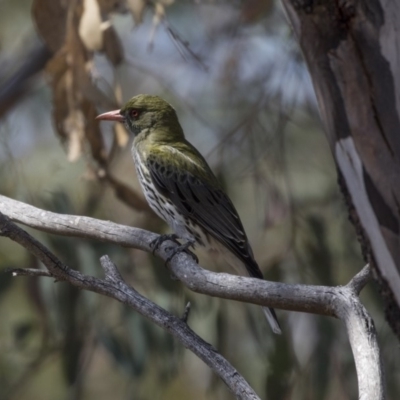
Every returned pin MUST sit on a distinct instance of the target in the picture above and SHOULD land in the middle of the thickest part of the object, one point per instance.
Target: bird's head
(147, 116)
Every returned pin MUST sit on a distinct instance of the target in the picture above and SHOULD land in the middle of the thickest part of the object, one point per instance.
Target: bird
(181, 188)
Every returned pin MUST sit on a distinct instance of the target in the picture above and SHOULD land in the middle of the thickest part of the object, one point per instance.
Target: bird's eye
(134, 113)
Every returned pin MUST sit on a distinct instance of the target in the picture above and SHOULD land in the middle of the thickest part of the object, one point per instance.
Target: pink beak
(111, 116)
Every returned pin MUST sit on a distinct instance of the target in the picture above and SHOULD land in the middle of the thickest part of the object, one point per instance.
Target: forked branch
(115, 287)
(341, 302)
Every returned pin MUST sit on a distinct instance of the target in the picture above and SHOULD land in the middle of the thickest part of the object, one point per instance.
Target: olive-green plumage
(180, 186)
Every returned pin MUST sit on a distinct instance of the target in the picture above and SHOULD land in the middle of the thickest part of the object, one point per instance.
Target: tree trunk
(352, 49)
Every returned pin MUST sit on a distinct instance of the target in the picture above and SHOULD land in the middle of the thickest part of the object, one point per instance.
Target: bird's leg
(156, 243)
(183, 247)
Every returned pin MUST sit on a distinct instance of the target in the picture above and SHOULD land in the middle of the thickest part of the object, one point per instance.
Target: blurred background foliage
(241, 89)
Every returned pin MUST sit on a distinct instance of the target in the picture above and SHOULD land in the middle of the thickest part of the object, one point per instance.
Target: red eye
(134, 113)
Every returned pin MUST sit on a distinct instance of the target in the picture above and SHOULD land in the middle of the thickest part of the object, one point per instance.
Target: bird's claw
(159, 240)
(181, 248)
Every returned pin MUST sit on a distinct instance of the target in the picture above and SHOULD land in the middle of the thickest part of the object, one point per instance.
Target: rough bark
(353, 55)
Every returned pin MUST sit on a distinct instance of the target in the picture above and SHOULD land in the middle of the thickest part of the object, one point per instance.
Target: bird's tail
(272, 320)
(251, 267)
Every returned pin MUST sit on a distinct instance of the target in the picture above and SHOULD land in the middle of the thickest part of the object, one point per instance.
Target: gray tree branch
(115, 287)
(341, 302)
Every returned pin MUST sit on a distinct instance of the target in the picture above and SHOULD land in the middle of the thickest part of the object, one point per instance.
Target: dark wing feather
(201, 199)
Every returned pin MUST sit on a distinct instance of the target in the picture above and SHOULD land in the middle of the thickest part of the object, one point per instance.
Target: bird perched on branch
(181, 188)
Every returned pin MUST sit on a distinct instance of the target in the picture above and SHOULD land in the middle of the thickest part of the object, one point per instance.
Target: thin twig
(27, 272)
(186, 313)
(183, 45)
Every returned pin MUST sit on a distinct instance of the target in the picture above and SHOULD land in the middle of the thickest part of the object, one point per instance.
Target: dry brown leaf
(81, 65)
(80, 62)
(77, 55)
(60, 106)
(57, 66)
(93, 134)
(75, 95)
(74, 126)
(68, 120)
(121, 135)
(89, 29)
(67, 114)
(112, 46)
(50, 18)
(118, 93)
(137, 8)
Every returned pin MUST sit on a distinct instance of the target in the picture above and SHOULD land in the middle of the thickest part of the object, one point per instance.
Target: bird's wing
(194, 190)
